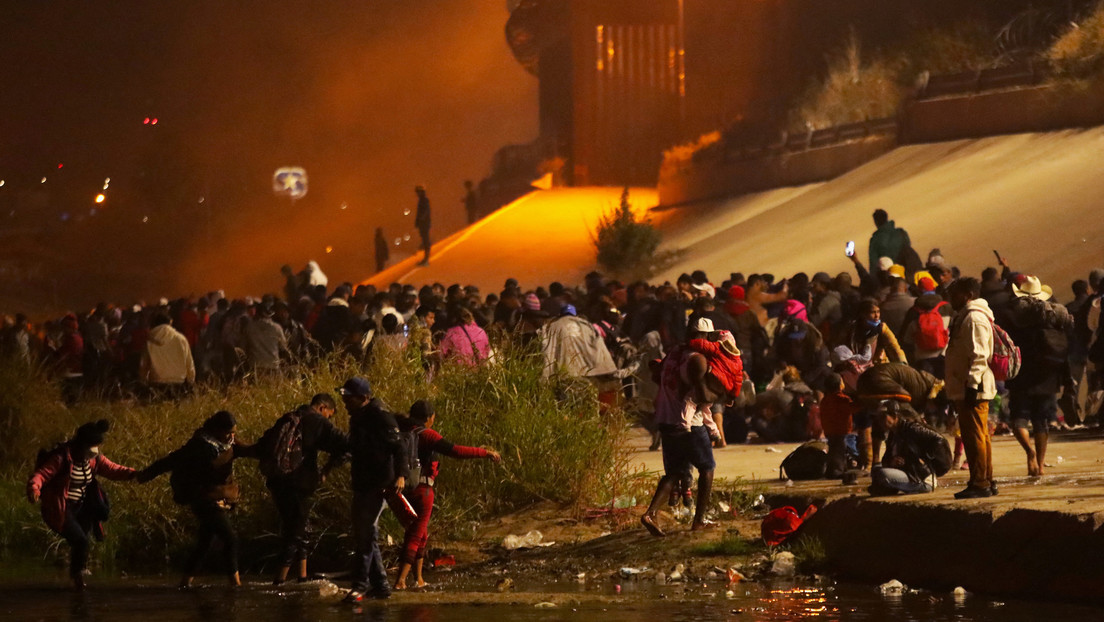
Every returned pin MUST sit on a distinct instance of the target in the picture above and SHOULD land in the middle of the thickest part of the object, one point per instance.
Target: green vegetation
(1078, 51)
(730, 545)
(859, 87)
(627, 245)
(742, 495)
(555, 446)
(809, 554)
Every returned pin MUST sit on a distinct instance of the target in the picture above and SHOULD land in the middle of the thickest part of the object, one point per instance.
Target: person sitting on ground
(430, 443)
(915, 454)
(73, 505)
(203, 479)
(868, 329)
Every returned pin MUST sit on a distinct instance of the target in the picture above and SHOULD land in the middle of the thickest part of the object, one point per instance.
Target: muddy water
(151, 600)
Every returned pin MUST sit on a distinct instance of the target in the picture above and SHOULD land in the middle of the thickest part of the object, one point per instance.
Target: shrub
(1079, 50)
(626, 245)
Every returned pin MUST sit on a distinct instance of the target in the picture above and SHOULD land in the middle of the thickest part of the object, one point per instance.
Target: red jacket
(51, 480)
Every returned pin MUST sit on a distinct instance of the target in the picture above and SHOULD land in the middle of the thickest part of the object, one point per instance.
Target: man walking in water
(422, 221)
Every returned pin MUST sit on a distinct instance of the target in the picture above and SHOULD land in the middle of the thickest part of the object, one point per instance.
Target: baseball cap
(356, 386)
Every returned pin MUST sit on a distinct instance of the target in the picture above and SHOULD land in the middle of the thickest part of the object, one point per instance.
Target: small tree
(626, 246)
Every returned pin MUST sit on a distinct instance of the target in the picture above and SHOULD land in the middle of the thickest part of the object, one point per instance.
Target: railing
(1020, 75)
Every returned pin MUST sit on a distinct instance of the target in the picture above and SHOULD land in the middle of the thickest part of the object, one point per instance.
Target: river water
(144, 600)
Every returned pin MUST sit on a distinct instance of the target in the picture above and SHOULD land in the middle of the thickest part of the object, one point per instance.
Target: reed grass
(555, 444)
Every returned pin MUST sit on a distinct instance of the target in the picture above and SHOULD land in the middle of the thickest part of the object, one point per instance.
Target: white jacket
(168, 357)
(968, 352)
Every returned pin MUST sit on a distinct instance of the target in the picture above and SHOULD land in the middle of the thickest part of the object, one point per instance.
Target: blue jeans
(368, 566)
(887, 481)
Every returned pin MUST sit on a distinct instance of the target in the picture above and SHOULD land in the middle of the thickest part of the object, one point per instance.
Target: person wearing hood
(970, 383)
(887, 240)
(927, 328)
(868, 329)
(265, 341)
(73, 504)
(572, 344)
(167, 362)
(203, 479)
(315, 276)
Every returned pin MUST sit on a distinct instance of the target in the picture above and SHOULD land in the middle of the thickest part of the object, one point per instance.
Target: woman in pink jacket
(72, 503)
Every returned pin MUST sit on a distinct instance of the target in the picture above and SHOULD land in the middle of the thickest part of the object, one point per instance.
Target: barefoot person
(73, 505)
(692, 378)
(203, 479)
(430, 443)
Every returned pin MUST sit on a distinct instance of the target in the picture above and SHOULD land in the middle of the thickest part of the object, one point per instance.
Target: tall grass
(1079, 50)
(554, 443)
(863, 84)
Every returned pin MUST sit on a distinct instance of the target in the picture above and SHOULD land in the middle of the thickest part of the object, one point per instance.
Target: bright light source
(154, 121)
(107, 180)
(406, 212)
(344, 206)
(1, 182)
(145, 218)
(201, 199)
(60, 165)
(43, 180)
(406, 238)
(105, 186)
(146, 122)
(100, 198)
(398, 241)
(329, 249)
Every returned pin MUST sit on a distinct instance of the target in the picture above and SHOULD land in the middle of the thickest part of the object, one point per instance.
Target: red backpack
(783, 523)
(931, 334)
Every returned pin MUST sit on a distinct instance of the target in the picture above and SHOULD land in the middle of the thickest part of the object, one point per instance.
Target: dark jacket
(924, 451)
(319, 434)
(422, 217)
(1041, 330)
(377, 447)
(886, 381)
(201, 471)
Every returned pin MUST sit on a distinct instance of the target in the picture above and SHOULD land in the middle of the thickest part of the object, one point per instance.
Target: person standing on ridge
(471, 202)
(383, 253)
(422, 221)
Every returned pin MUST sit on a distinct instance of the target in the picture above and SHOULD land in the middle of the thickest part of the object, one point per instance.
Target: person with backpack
(203, 479)
(927, 329)
(380, 469)
(971, 383)
(1041, 329)
(428, 444)
(915, 454)
(73, 504)
(288, 454)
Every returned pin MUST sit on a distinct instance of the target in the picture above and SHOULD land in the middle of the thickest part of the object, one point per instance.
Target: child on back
(836, 408)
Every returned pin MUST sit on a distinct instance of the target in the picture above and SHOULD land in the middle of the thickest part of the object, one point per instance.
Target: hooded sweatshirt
(168, 357)
(969, 351)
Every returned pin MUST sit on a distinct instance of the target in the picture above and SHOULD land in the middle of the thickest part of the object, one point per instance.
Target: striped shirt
(80, 474)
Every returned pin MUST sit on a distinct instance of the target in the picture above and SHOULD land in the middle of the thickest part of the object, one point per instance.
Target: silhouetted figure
(422, 221)
(471, 203)
(383, 253)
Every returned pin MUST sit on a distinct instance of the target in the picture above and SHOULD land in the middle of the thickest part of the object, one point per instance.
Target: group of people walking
(393, 460)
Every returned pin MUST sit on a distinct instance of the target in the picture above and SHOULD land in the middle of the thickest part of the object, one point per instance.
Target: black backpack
(287, 451)
(809, 461)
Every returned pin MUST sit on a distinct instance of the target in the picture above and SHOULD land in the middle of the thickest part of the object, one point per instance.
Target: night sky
(370, 97)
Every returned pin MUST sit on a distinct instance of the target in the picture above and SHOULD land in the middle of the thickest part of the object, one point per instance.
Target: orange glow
(100, 198)
(329, 249)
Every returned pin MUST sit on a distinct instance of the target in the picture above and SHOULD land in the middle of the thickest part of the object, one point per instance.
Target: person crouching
(915, 453)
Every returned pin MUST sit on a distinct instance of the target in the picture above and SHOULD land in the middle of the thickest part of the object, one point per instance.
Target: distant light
(329, 249)
(107, 180)
(100, 198)
(145, 218)
(43, 180)
(344, 206)
(201, 199)
(406, 212)
(105, 186)
(406, 238)
(60, 165)
(398, 241)
(146, 122)
(154, 122)
(2, 182)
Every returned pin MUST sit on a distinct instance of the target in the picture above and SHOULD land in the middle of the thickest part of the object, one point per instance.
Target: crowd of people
(892, 354)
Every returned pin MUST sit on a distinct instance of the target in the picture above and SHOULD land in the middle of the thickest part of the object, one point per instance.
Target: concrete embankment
(1038, 539)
